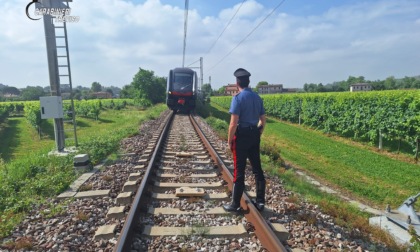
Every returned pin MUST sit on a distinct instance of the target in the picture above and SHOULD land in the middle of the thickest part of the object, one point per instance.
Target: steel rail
(125, 239)
(263, 231)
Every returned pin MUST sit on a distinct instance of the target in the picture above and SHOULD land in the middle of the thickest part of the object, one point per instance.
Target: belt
(252, 127)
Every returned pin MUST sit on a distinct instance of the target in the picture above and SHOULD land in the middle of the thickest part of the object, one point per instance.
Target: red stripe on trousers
(234, 158)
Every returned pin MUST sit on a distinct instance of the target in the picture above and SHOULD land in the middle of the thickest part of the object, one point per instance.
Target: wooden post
(380, 140)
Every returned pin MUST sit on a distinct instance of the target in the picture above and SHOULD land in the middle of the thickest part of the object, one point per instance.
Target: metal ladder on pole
(64, 74)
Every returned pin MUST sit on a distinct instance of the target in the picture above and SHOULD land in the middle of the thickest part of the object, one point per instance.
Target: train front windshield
(183, 82)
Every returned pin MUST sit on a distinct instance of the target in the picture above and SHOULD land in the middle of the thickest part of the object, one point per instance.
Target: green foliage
(261, 83)
(15, 108)
(10, 90)
(10, 108)
(4, 113)
(89, 108)
(24, 181)
(206, 90)
(33, 115)
(96, 87)
(217, 123)
(389, 83)
(32, 93)
(116, 104)
(99, 147)
(142, 102)
(146, 88)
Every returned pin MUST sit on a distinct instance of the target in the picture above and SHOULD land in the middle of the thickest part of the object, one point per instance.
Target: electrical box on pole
(51, 107)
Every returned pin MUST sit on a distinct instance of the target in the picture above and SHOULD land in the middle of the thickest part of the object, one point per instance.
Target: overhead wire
(220, 35)
(194, 62)
(227, 25)
(249, 34)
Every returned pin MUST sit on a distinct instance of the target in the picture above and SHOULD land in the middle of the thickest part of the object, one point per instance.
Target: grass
(366, 174)
(29, 176)
(18, 138)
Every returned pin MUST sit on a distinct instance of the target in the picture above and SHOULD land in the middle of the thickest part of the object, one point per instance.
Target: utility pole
(185, 31)
(50, 39)
(201, 73)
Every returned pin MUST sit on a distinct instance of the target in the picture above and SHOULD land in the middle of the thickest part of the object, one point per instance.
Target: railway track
(181, 194)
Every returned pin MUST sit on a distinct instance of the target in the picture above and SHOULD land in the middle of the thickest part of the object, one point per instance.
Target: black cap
(240, 72)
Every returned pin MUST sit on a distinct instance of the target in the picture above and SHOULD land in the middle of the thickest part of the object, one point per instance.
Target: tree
(148, 86)
(221, 90)
(310, 88)
(390, 83)
(206, 90)
(128, 92)
(407, 82)
(32, 93)
(96, 87)
(321, 88)
(261, 83)
(11, 90)
(77, 94)
(378, 85)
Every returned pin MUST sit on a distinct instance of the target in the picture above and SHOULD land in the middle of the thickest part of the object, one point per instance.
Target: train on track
(181, 92)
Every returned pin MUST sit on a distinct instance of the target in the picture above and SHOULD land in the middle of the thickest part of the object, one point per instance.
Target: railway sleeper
(200, 175)
(217, 231)
(172, 196)
(201, 169)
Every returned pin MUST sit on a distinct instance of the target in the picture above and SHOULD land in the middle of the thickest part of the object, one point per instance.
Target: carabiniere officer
(247, 123)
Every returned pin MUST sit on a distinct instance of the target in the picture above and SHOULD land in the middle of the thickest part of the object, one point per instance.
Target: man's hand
(232, 129)
(261, 129)
(230, 143)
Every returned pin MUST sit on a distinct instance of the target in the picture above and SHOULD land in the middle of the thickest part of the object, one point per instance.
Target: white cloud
(114, 38)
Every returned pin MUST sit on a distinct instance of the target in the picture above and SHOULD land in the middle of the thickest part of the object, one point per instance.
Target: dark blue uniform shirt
(248, 105)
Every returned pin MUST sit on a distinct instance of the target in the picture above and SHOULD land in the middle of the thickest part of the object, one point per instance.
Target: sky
(289, 42)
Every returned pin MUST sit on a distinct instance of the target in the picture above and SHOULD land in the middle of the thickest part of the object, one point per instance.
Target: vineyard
(85, 108)
(393, 115)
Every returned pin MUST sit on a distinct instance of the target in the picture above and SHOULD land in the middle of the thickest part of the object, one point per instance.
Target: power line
(249, 34)
(225, 27)
(193, 62)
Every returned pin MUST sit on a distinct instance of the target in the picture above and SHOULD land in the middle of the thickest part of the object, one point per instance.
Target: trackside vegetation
(32, 178)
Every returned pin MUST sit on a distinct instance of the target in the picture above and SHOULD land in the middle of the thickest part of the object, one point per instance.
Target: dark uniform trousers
(246, 144)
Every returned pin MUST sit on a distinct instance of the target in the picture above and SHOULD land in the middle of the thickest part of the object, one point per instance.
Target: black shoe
(259, 206)
(232, 208)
